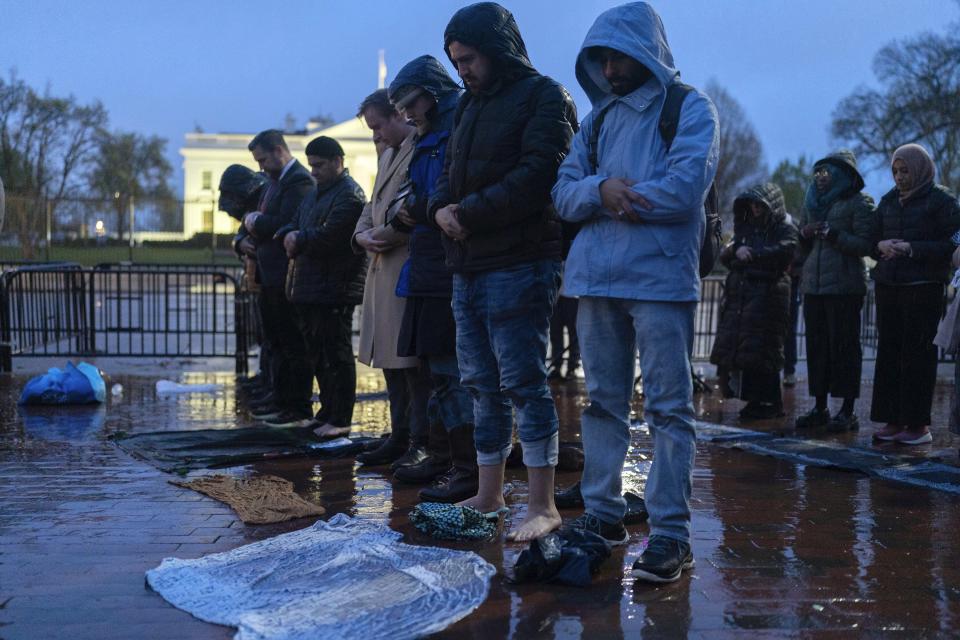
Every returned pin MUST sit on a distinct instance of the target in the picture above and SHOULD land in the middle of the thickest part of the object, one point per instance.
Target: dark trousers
(906, 372)
(834, 356)
(327, 333)
(289, 370)
(564, 317)
(409, 391)
(761, 386)
(790, 342)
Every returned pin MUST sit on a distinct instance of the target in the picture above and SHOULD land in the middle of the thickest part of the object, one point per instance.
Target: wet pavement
(782, 549)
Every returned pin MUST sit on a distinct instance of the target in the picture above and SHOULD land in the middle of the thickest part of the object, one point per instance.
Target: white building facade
(207, 155)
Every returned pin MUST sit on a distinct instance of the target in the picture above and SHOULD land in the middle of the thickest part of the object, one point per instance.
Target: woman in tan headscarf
(916, 221)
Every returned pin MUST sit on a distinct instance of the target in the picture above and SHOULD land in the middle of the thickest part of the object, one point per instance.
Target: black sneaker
(288, 419)
(663, 560)
(813, 418)
(569, 498)
(844, 422)
(266, 412)
(614, 533)
(761, 411)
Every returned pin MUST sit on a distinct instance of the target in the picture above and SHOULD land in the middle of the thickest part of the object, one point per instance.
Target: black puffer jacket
(834, 266)
(926, 221)
(756, 301)
(325, 270)
(506, 147)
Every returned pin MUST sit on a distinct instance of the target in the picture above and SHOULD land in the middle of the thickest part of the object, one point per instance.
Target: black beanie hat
(324, 147)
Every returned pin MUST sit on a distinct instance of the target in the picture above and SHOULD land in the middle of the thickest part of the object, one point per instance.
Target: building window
(206, 180)
(208, 220)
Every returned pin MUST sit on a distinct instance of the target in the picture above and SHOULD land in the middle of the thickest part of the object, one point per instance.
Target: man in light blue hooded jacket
(634, 266)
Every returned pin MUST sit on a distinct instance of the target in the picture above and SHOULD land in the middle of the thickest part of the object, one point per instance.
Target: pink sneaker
(910, 436)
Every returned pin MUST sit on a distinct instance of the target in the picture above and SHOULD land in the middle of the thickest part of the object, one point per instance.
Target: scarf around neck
(818, 203)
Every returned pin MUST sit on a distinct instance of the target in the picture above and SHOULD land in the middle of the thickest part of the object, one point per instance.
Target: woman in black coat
(916, 221)
(756, 303)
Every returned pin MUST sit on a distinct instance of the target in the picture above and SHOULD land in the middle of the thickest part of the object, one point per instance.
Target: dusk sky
(165, 67)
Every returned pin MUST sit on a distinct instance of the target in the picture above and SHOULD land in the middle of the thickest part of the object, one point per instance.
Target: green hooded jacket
(834, 264)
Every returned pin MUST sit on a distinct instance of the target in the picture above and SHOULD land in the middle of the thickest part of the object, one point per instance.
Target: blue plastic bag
(80, 384)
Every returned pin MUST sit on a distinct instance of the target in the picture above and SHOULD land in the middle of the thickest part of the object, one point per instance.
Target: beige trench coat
(382, 310)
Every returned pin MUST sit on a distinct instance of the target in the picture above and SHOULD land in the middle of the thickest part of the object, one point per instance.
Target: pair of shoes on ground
(572, 498)
(816, 418)
(762, 411)
(663, 560)
(902, 435)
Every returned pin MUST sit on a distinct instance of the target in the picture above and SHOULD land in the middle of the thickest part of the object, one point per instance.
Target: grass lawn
(89, 256)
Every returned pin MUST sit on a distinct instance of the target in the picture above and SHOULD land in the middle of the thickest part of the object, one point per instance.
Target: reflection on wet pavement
(781, 548)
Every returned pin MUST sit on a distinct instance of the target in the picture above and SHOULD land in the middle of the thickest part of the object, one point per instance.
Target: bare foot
(482, 505)
(328, 431)
(536, 524)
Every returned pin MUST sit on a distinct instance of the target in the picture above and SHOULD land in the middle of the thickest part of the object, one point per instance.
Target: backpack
(669, 120)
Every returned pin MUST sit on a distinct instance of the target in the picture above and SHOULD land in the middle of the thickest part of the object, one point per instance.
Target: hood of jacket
(769, 194)
(491, 30)
(846, 160)
(634, 29)
(427, 73)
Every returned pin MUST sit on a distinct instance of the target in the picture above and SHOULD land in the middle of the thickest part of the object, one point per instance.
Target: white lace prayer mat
(344, 578)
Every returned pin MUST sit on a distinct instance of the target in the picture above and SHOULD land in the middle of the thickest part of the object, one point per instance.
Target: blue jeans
(503, 325)
(450, 403)
(610, 331)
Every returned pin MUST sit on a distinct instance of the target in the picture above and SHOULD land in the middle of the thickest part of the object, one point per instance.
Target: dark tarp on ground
(183, 451)
(918, 471)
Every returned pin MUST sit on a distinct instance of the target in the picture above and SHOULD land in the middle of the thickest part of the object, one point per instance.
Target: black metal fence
(125, 311)
(183, 310)
(708, 313)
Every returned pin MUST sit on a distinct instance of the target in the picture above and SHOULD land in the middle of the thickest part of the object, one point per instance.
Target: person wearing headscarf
(749, 349)
(427, 96)
(916, 220)
(836, 232)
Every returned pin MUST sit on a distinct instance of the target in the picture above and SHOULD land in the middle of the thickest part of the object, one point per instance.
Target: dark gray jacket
(834, 265)
(325, 270)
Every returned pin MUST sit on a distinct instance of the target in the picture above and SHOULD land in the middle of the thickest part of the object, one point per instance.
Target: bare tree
(919, 101)
(44, 142)
(128, 165)
(741, 154)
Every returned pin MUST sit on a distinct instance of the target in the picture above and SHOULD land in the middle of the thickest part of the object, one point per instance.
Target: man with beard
(635, 267)
(502, 240)
(325, 282)
(290, 182)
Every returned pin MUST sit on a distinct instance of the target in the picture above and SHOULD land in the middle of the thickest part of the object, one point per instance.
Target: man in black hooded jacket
(502, 240)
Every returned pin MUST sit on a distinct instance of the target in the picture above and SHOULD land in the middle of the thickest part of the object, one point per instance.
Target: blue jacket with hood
(658, 258)
(425, 273)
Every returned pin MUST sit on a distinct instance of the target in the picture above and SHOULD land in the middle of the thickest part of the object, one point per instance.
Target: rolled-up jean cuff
(493, 458)
(542, 452)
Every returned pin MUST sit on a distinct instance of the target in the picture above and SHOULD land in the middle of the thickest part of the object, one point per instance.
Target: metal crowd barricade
(708, 313)
(124, 311)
